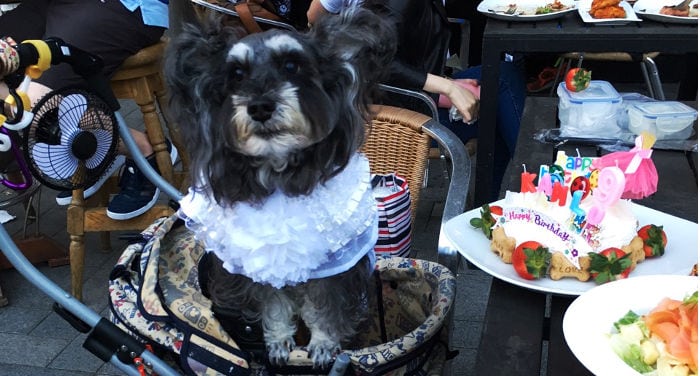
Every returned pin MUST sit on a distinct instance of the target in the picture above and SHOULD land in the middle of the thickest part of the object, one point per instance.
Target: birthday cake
(576, 212)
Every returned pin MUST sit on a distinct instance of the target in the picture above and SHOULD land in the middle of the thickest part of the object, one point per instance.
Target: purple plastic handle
(23, 168)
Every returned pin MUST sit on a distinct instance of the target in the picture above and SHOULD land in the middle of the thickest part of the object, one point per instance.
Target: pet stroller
(402, 339)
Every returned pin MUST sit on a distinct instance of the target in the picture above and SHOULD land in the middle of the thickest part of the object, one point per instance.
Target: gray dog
(279, 193)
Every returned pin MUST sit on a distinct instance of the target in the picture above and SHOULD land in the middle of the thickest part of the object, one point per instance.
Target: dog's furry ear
(191, 58)
(359, 37)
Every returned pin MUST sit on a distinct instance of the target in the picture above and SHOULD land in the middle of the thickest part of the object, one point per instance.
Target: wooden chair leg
(76, 229)
(77, 264)
(173, 129)
(144, 98)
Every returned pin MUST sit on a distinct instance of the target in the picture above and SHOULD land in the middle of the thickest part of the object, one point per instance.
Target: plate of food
(526, 10)
(679, 257)
(619, 328)
(606, 12)
(662, 11)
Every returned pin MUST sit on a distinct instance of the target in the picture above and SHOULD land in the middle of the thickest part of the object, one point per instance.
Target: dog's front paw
(278, 351)
(322, 352)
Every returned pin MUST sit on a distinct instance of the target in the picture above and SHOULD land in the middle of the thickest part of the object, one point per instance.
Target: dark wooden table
(522, 331)
(566, 34)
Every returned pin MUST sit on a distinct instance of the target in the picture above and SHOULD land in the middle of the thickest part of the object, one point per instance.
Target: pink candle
(545, 184)
(611, 184)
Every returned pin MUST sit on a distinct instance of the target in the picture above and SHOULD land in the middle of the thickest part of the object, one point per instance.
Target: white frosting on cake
(530, 216)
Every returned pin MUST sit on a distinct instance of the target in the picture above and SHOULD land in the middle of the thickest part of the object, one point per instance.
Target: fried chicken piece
(598, 4)
(557, 5)
(671, 11)
(609, 12)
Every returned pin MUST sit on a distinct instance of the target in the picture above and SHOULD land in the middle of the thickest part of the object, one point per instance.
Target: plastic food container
(668, 120)
(591, 113)
(628, 101)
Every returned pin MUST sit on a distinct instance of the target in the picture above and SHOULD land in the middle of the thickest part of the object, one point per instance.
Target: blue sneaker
(65, 197)
(137, 193)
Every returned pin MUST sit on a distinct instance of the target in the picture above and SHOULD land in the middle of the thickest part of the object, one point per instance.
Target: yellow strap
(35, 71)
(2, 119)
(26, 104)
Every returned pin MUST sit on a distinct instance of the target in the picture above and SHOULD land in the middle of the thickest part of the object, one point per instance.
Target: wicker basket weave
(395, 143)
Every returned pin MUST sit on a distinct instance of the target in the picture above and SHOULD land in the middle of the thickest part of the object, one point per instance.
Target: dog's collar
(289, 240)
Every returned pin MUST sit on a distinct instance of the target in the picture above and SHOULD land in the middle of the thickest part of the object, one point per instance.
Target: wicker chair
(398, 140)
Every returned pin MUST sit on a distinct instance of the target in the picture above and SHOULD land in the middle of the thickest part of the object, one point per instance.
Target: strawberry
(577, 79)
(609, 265)
(531, 260)
(486, 221)
(654, 239)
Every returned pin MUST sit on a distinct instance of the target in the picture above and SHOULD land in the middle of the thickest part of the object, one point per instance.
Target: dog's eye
(238, 74)
(291, 66)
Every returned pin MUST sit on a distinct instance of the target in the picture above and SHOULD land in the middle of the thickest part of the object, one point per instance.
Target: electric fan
(72, 139)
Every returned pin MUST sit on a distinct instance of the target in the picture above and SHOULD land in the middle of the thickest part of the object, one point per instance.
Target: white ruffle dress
(289, 240)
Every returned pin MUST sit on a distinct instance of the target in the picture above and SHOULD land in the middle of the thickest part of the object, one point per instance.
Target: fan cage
(96, 117)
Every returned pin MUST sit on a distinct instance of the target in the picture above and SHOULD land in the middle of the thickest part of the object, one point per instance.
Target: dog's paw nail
(322, 356)
(278, 353)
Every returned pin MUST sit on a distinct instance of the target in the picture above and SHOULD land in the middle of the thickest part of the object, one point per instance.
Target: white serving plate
(585, 5)
(649, 9)
(680, 256)
(590, 317)
(495, 9)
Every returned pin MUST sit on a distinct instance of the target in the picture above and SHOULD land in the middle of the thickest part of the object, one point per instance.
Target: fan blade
(104, 141)
(56, 161)
(70, 111)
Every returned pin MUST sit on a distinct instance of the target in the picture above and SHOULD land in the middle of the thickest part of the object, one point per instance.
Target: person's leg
(26, 21)
(103, 28)
(114, 33)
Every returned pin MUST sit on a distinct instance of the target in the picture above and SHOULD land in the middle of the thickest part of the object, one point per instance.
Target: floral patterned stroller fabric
(155, 297)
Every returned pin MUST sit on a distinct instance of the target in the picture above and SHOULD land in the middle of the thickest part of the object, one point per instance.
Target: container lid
(669, 109)
(597, 91)
(637, 97)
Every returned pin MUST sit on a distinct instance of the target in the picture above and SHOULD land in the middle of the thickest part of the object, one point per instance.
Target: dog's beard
(286, 131)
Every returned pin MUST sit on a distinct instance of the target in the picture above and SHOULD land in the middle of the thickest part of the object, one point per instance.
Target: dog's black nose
(261, 109)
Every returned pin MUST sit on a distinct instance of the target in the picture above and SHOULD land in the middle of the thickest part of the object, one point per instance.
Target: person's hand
(315, 12)
(466, 102)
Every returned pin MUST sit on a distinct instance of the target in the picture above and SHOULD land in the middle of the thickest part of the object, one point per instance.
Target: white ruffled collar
(288, 240)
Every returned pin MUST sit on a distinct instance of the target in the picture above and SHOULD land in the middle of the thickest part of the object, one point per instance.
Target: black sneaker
(137, 193)
(65, 197)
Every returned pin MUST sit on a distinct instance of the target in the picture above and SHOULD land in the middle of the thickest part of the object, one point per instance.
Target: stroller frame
(104, 339)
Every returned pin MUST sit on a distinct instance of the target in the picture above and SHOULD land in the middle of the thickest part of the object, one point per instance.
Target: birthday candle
(611, 184)
(527, 181)
(545, 184)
